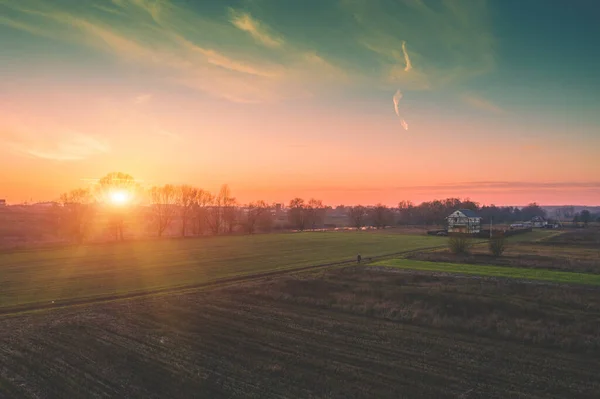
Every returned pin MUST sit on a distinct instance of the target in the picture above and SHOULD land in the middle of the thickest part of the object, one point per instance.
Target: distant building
(464, 221)
(2, 202)
(538, 221)
(47, 204)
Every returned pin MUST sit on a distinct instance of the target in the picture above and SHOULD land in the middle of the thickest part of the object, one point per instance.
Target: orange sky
(236, 96)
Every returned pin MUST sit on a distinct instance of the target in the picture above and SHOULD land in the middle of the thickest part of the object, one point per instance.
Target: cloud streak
(254, 28)
(481, 103)
(450, 41)
(173, 42)
(476, 186)
(60, 147)
(142, 99)
(408, 66)
(397, 97)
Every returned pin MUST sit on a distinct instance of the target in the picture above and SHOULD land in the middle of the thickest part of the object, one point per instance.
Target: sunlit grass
(42, 276)
(493, 271)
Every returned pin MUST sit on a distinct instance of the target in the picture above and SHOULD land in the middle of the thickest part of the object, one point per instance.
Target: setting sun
(120, 197)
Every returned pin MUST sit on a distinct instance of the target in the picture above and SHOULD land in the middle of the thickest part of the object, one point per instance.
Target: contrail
(397, 98)
(406, 57)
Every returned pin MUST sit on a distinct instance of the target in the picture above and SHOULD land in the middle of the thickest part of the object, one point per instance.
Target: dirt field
(346, 333)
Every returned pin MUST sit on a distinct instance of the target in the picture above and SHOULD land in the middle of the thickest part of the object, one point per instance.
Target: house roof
(468, 213)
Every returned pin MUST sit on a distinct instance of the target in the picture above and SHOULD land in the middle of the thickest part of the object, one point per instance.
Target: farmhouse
(464, 221)
(538, 221)
(2, 202)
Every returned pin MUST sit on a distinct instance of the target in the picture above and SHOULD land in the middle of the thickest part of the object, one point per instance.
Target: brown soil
(348, 333)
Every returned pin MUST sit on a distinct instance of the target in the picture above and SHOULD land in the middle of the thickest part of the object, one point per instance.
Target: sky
(499, 102)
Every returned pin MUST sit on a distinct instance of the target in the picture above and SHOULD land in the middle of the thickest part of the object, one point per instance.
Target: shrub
(497, 246)
(459, 244)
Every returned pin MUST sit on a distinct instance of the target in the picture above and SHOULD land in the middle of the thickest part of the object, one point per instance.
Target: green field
(493, 271)
(43, 276)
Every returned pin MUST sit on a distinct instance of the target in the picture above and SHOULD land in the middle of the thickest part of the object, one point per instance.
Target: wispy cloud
(481, 103)
(72, 146)
(450, 41)
(142, 99)
(256, 29)
(408, 66)
(182, 46)
(25, 136)
(465, 188)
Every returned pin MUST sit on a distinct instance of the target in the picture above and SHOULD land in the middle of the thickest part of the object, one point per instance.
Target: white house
(538, 221)
(464, 221)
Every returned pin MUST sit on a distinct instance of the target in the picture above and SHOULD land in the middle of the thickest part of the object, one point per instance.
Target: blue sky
(108, 84)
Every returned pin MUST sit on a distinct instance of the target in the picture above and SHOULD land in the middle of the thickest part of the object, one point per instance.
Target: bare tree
(297, 213)
(315, 213)
(357, 215)
(586, 217)
(406, 210)
(254, 212)
(200, 211)
(163, 200)
(108, 186)
(381, 216)
(265, 221)
(222, 214)
(230, 209)
(186, 198)
(76, 213)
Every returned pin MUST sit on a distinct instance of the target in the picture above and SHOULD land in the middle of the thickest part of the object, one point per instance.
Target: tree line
(191, 210)
(435, 213)
(197, 211)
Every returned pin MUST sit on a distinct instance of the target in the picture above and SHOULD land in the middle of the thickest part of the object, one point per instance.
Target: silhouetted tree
(381, 216)
(107, 186)
(200, 211)
(586, 217)
(532, 210)
(254, 212)
(221, 216)
(230, 210)
(357, 215)
(76, 213)
(406, 212)
(186, 197)
(163, 201)
(297, 214)
(315, 213)
(265, 221)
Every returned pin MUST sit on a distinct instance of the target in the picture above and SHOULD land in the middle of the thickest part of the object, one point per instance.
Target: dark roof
(468, 213)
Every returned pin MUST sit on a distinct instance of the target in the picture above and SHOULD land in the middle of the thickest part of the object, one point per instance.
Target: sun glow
(119, 197)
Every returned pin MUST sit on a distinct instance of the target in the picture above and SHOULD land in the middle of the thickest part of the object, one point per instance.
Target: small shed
(464, 221)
